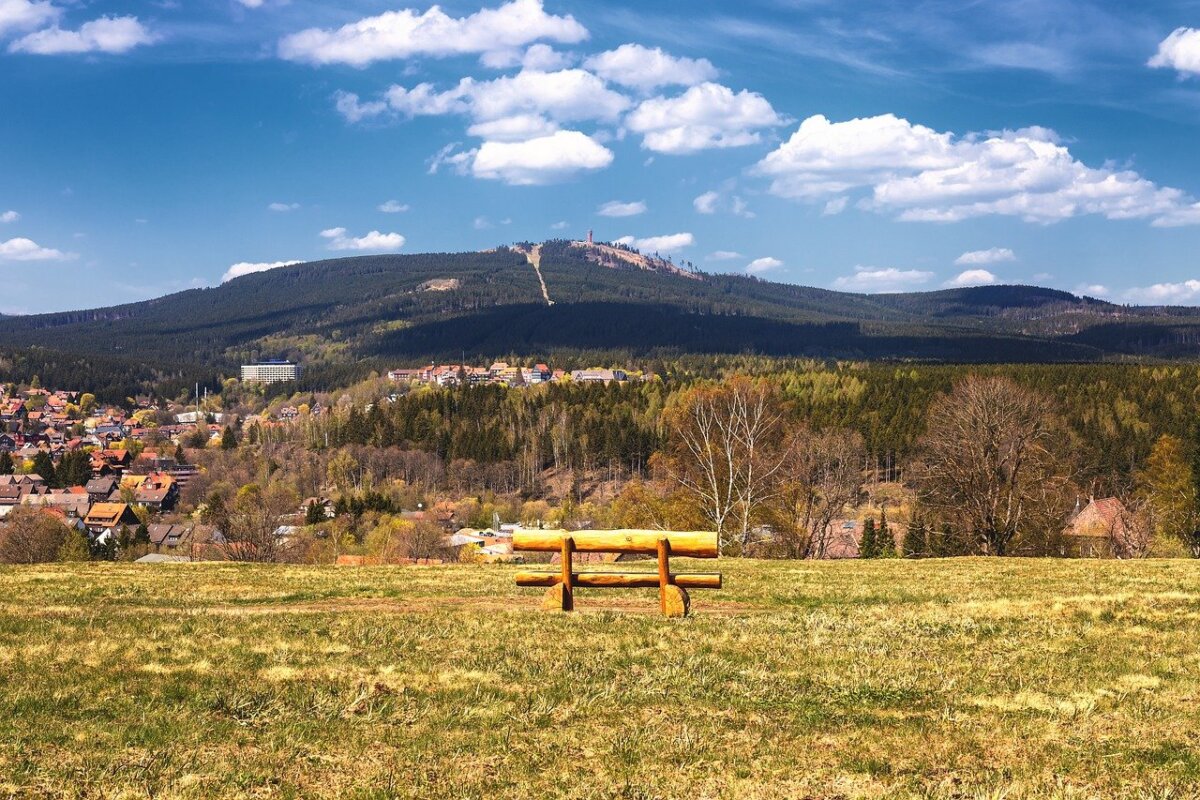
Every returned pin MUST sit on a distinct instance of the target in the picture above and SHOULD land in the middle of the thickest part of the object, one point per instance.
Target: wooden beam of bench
(694, 544)
(621, 580)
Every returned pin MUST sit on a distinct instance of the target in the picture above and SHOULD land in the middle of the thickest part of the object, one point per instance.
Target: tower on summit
(590, 237)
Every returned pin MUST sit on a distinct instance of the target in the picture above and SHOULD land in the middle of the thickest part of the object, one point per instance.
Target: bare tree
(726, 447)
(823, 474)
(252, 522)
(31, 536)
(989, 463)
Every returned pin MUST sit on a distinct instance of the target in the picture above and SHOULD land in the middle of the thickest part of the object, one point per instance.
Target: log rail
(672, 587)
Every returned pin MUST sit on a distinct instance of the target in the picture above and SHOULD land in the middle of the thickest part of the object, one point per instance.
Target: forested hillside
(343, 318)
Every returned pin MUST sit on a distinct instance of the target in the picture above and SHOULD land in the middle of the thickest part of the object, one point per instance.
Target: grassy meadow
(964, 678)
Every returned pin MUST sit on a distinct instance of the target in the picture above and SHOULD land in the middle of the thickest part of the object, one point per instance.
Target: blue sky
(150, 147)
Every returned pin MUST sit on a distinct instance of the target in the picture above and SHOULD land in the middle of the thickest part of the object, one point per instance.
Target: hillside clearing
(951, 678)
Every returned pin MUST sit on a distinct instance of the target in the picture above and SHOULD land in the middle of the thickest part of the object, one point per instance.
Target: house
(1098, 530)
(170, 536)
(157, 496)
(598, 375)
(100, 490)
(104, 517)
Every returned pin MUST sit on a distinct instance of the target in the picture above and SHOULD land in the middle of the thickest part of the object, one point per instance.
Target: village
(501, 372)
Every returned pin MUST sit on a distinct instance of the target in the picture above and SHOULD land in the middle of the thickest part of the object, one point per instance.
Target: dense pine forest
(1112, 413)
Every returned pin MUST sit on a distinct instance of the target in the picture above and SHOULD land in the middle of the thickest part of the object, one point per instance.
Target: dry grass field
(964, 678)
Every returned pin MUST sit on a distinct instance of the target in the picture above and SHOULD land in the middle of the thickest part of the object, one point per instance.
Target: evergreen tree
(75, 548)
(228, 439)
(314, 514)
(885, 542)
(180, 455)
(75, 469)
(915, 545)
(868, 547)
(6, 463)
(44, 466)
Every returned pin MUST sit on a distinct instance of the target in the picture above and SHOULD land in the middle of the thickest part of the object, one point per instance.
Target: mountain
(571, 296)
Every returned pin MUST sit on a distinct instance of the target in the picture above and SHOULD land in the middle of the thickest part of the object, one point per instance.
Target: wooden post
(568, 600)
(664, 573)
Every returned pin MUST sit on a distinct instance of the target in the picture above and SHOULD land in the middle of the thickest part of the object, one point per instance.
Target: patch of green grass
(966, 678)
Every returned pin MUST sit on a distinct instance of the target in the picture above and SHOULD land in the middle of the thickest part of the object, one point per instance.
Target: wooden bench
(672, 589)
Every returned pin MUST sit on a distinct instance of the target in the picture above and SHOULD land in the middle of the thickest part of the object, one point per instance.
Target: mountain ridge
(590, 297)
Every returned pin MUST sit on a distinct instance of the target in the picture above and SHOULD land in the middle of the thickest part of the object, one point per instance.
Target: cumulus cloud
(920, 174)
(247, 267)
(516, 128)
(104, 35)
(971, 277)
(9, 216)
(615, 208)
(539, 56)
(724, 255)
(993, 255)
(706, 203)
(433, 33)
(871, 280)
(1179, 51)
(393, 207)
(338, 240)
(545, 159)
(706, 116)
(562, 95)
(644, 68)
(18, 15)
(22, 249)
(760, 265)
(1165, 294)
(283, 207)
(663, 245)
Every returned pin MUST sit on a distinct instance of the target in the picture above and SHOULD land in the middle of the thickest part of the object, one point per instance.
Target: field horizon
(964, 678)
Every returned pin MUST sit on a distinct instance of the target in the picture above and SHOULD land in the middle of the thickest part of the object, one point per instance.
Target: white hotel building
(270, 372)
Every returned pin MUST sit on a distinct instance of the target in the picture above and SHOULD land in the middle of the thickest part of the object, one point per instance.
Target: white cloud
(517, 128)
(22, 249)
(1179, 51)
(706, 203)
(835, 206)
(668, 243)
(24, 14)
(1165, 294)
(705, 116)
(283, 206)
(616, 208)
(393, 207)
(9, 216)
(923, 175)
(104, 35)
(724, 255)
(872, 280)
(993, 255)
(1093, 289)
(537, 57)
(971, 277)
(338, 240)
(247, 267)
(760, 265)
(561, 225)
(545, 159)
(740, 208)
(409, 33)
(1178, 217)
(564, 95)
(643, 68)
(481, 224)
